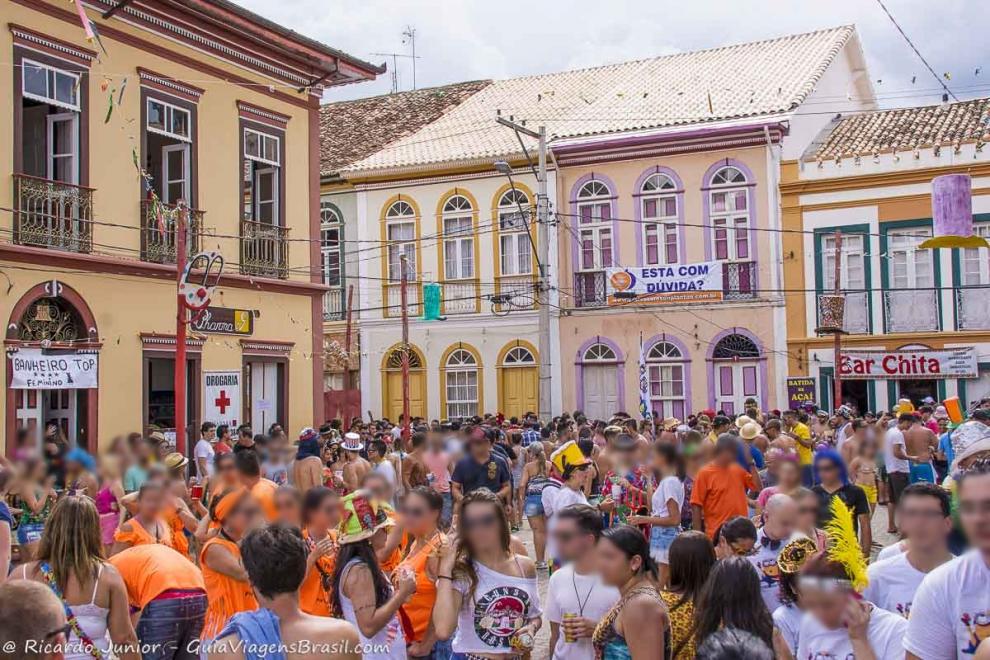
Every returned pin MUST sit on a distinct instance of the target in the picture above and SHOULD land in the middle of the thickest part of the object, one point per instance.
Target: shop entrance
(159, 393)
(917, 390)
(37, 410)
(856, 393)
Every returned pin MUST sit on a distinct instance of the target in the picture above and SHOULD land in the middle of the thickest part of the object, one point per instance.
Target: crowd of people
(713, 537)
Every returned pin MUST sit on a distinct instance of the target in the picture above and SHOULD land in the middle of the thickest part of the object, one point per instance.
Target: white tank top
(388, 643)
(92, 620)
(501, 605)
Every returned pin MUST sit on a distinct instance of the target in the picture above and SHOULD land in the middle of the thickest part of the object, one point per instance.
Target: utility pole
(543, 252)
(405, 348)
(348, 413)
(837, 377)
(181, 316)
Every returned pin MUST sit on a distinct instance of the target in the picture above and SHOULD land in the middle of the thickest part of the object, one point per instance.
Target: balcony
(334, 304)
(158, 246)
(589, 289)
(973, 308)
(460, 297)
(910, 310)
(53, 214)
(264, 250)
(517, 292)
(856, 318)
(393, 300)
(738, 280)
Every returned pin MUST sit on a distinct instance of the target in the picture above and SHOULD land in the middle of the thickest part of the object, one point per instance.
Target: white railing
(912, 310)
(460, 297)
(857, 313)
(516, 292)
(393, 300)
(334, 307)
(973, 308)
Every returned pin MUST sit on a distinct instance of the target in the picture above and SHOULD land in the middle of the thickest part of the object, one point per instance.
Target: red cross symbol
(222, 402)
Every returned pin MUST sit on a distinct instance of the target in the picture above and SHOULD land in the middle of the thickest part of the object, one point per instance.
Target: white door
(264, 395)
(60, 409)
(175, 173)
(601, 391)
(266, 196)
(29, 409)
(734, 383)
(63, 147)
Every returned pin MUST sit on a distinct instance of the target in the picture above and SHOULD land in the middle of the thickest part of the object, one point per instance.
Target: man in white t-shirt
(895, 457)
(203, 452)
(572, 465)
(779, 522)
(576, 597)
(925, 516)
(378, 455)
(950, 614)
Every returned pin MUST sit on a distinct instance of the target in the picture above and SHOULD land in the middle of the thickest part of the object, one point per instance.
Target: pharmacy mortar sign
(222, 397)
(39, 369)
(906, 364)
(665, 285)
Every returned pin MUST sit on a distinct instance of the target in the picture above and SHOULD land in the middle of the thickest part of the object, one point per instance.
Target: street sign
(222, 397)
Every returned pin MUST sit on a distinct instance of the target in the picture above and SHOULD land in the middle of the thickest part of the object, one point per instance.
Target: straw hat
(670, 423)
(175, 461)
(743, 420)
(750, 431)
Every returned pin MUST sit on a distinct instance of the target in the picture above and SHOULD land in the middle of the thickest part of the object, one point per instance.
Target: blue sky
(471, 39)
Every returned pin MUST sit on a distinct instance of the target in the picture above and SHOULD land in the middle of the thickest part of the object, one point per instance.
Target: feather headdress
(843, 545)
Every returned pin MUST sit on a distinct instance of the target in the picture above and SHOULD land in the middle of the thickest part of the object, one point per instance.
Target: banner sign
(920, 364)
(37, 369)
(222, 397)
(224, 321)
(665, 285)
(800, 391)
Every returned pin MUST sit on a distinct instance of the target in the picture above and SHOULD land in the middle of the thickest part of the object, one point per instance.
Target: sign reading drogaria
(36, 369)
(920, 364)
(222, 397)
(658, 285)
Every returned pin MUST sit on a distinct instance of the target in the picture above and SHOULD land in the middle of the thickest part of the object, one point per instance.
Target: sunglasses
(479, 521)
(740, 551)
(413, 512)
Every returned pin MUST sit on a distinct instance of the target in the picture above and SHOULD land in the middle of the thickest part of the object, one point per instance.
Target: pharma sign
(920, 364)
(224, 321)
(37, 369)
(665, 285)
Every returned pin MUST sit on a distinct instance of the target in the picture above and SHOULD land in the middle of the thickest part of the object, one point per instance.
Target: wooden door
(392, 403)
(601, 391)
(520, 390)
(734, 383)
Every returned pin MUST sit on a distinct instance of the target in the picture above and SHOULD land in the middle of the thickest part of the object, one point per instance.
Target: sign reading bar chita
(920, 364)
(37, 369)
(224, 321)
(665, 285)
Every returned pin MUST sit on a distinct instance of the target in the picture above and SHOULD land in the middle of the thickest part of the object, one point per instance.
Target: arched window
(599, 353)
(400, 231)
(659, 200)
(730, 215)
(458, 238)
(394, 360)
(330, 244)
(594, 210)
(515, 247)
(50, 319)
(736, 371)
(666, 368)
(519, 356)
(461, 375)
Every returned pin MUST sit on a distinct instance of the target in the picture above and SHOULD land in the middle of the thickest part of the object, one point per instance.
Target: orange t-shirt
(138, 535)
(264, 492)
(225, 596)
(393, 559)
(314, 592)
(721, 494)
(150, 570)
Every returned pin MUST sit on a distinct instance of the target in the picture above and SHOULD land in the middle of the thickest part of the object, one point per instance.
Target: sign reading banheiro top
(37, 369)
(222, 397)
(917, 364)
(665, 285)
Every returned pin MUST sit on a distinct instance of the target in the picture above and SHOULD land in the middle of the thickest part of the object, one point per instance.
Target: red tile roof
(353, 130)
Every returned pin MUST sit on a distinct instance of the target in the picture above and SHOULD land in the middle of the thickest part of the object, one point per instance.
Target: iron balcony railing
(589, 289)
(53, 214)
(973, 308)
(334, 304)
(738, 280)
(264, 250)
(856, 318)
(910, 310)
(158, 231)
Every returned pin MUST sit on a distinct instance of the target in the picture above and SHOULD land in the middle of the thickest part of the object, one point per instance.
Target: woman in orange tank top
(227, 588)
(148, 524)
(321, 515)
(420, 517)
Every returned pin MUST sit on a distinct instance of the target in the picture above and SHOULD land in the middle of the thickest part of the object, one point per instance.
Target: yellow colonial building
(870, 177)
(196, 104)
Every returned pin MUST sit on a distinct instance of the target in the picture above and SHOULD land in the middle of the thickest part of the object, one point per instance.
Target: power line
(916, 51)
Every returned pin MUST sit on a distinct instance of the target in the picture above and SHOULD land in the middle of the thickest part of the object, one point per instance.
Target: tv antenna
(408, 35)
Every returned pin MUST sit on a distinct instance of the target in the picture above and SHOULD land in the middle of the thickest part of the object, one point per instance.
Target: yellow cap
(567, 457)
